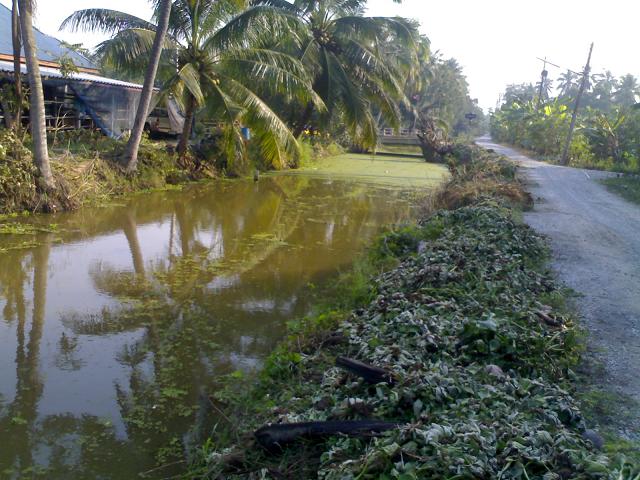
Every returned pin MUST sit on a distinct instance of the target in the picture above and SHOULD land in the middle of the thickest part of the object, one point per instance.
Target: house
(76, 100)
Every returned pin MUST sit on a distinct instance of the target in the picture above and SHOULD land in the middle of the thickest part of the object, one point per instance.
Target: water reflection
(117, 327)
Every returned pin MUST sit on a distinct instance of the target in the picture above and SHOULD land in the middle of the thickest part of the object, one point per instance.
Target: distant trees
(608, 131)
(439, 102)
(627, 91)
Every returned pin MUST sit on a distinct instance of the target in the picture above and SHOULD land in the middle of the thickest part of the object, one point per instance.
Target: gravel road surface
(595, 240)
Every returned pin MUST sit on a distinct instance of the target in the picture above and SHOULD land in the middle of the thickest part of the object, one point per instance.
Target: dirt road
(595, 239)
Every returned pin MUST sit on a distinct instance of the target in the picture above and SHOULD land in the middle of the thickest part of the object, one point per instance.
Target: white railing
(403, 132)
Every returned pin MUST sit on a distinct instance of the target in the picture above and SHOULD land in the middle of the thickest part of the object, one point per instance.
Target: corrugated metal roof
(78, 77)
(49, 48)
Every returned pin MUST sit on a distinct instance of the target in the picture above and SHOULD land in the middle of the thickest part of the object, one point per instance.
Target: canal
(118, 322)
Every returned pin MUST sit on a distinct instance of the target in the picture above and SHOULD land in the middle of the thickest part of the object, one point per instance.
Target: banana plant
(603, 132)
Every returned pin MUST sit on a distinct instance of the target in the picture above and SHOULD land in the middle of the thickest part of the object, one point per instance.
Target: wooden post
(574, 117)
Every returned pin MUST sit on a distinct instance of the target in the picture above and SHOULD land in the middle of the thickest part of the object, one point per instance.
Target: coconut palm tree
(628, 91)
(567, 84)
(215, 59)
(131, 157)
(601, 95)
(345, 53)
(36, 110)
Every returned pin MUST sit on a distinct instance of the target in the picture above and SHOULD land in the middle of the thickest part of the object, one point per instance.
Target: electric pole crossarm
(543, 78)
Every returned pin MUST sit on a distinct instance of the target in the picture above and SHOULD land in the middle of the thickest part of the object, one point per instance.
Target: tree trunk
(428, 152)
(17, 75)
(8, 114)
(183, 145)
(36, 106)
(131, 157)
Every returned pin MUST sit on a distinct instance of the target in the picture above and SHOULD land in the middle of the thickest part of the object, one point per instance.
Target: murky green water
(117, 324)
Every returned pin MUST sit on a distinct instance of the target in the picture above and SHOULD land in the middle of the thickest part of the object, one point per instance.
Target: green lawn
(379, 169)
(627, 187)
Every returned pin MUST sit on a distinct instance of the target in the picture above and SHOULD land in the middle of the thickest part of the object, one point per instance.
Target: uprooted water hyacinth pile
(481, 365)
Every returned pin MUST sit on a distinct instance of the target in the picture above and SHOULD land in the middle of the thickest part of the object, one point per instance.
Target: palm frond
(251, 27)
(180, 20)
(217, 14)
(281, 4)
(233, 146)
(277, 73)
(103, 20)
(128, 51)
(191, 79)
(352, 103)
(273, 135)
(359, 56)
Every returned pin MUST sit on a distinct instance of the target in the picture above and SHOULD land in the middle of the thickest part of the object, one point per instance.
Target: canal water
(118, 322)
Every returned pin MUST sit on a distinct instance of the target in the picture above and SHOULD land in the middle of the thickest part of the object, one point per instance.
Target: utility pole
(543, 78)
(574, 117)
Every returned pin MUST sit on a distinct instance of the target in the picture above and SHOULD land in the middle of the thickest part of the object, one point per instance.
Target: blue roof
(49, 48)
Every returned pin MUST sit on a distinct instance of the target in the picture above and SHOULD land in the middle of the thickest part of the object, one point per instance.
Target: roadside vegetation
(627, 187)
(607, 135)
(462, 315)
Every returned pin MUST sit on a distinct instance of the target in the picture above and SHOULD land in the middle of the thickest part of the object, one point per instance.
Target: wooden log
(274, 437)
(369, 373)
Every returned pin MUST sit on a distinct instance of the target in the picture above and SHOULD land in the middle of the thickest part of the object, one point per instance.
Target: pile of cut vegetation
(86, 170)
(459, 366)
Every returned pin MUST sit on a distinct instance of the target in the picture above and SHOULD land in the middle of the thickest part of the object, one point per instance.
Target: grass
(378, 169)
(626, 186)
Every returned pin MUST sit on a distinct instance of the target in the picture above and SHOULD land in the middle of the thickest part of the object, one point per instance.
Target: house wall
(73, 104)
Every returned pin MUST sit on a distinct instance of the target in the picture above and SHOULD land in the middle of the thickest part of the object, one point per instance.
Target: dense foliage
(608, 131)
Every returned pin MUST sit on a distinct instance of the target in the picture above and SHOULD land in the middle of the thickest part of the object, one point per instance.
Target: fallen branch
(273, 437)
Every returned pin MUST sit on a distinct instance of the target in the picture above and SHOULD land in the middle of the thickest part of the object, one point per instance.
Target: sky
(495, 41)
